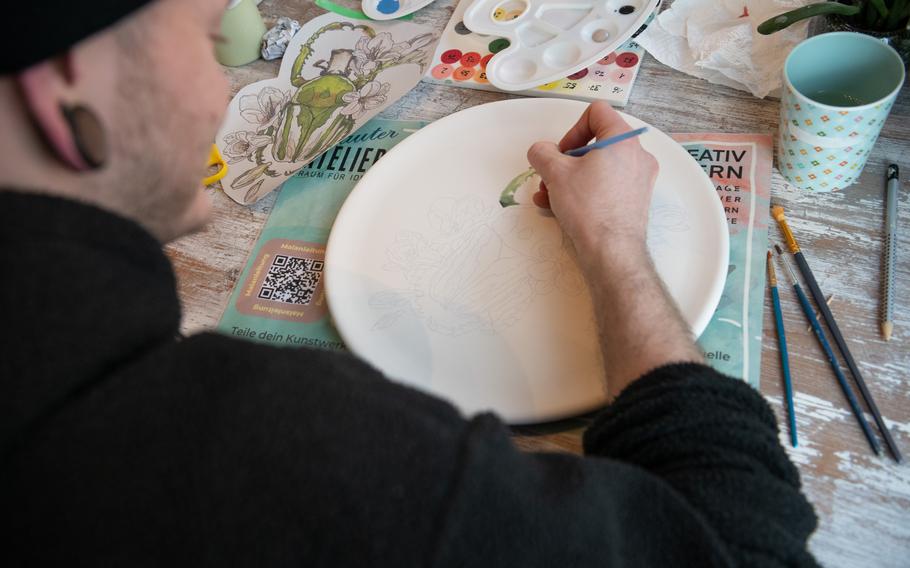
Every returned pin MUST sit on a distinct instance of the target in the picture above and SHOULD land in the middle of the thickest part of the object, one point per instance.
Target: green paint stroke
(507, 197)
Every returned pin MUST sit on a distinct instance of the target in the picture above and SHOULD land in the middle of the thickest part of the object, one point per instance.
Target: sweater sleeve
(715, 441)
(684, 468)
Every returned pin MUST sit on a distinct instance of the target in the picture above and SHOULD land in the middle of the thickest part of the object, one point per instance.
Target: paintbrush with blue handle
(826, 347)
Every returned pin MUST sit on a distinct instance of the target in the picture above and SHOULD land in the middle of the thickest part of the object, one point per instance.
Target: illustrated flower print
(370, 53)
(241, 145)
(417, 43)
(264, 107)
(370, 96)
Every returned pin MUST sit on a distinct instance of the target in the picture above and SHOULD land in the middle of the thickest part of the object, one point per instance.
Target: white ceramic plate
(434, 282)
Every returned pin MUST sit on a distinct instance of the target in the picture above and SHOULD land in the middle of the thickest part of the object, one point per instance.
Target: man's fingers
(546, 158)
(605, 121)
(542, 199)
(580, 133)
(599, 121)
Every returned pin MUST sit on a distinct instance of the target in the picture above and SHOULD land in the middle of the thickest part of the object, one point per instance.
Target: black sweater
(123, 444)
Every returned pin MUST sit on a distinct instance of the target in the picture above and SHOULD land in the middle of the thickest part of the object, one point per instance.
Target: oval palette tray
(391, 9)
(550, 39)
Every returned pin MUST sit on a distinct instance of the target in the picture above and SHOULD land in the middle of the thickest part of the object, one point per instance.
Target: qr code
(291, 280)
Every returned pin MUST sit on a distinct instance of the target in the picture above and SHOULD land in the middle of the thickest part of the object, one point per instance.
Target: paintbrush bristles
(786, 264)
(772, 276)
(778, 213)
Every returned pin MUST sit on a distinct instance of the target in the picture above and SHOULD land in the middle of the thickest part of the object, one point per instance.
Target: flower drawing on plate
(370, 96)
(241, 145)
(664, 219)
(478, 270)
(327, 101)
(264, 107)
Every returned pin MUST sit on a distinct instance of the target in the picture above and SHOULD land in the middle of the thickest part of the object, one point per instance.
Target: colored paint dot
(609, 59)
(549, 86)
(599, 75)
(442, 71)
(481, 78)
(461, 29)
(626, 10)
(470, 59)
(498, 45)
(627, 59)
(463, 73)
(486, 59)
(578, 75)
(387, 6)
(499, 15)
(621, 76)
(451, 56)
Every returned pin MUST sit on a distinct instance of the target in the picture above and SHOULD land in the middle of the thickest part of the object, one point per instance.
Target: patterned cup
(838, 89)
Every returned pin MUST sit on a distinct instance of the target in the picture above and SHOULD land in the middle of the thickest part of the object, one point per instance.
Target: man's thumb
(546, 158)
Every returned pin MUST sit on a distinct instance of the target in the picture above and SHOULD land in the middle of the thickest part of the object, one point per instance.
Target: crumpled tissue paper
(276, 40)
(717, 41)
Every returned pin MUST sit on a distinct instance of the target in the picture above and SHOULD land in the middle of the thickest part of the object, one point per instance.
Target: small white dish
(391, 9)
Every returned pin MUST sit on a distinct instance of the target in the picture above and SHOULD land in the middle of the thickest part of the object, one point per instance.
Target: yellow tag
(215, 159)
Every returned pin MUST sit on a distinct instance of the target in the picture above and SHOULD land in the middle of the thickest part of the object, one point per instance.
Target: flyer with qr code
(739, 166)
(280, 295)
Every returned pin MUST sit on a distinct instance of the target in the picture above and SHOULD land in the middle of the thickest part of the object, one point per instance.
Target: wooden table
(863, 501)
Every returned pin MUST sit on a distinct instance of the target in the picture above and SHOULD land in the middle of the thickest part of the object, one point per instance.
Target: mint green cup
(838, 90)
(242, 28)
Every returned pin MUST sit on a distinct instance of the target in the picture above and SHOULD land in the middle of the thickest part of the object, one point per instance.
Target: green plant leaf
(898, 15)
(784, 20)
(880, 7)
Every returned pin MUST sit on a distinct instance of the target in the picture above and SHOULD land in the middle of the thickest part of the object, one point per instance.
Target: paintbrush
(826, 347)
(778, 213)
(578, 152)
(782, 342)
(507, 197)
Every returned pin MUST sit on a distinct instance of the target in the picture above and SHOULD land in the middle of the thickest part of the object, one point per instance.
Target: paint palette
(549, 40)
(390, 9)
(462, 57)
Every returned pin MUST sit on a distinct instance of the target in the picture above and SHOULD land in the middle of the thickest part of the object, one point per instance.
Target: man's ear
(73, 133)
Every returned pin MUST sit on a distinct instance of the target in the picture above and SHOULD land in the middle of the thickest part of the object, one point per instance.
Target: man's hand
(602, 198)
(601, 201)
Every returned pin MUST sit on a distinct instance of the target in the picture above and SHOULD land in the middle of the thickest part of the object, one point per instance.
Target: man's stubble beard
(149, 154)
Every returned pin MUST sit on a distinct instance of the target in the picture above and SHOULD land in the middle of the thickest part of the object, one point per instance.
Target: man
(123, 444)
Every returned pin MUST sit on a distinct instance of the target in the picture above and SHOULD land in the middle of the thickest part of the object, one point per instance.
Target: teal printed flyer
(280, 297)
(739, 165)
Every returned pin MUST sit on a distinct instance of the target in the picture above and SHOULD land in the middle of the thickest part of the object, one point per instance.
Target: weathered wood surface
(863, 501)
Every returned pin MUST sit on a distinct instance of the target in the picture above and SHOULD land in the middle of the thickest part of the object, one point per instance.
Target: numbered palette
(390, 9)
(548, 39)
(462, 56)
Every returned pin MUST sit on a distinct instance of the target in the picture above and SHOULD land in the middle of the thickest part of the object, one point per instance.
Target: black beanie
(35, 30)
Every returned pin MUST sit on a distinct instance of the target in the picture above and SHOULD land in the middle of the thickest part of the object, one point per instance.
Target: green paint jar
(242, 28)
